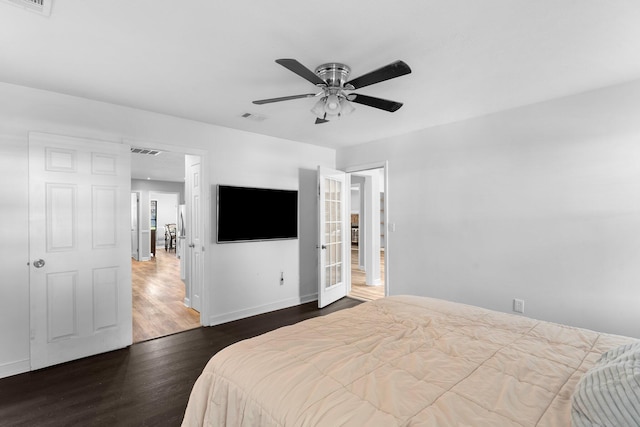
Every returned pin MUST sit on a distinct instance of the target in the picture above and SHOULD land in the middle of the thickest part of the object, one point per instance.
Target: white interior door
(194, 238)
(135, 206)
(333, 236)
(80, 263)
(181, 232)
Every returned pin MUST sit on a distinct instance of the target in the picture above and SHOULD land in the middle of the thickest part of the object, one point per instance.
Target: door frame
(204, 208)
(385, 166)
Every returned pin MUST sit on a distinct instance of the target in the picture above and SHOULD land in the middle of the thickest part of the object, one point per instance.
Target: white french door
(79, 246)
(333, 236)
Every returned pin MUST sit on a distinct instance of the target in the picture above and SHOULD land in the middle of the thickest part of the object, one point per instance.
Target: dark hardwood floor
(147, 384)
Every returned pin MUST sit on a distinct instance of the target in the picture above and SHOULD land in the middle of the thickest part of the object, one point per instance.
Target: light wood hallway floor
(158, 298)
(359, 288)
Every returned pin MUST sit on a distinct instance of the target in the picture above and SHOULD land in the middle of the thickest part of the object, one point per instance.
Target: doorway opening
(158, 294)
(160, 265)
(368, 233)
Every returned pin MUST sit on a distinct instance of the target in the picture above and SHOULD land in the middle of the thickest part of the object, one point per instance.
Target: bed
(414, 361)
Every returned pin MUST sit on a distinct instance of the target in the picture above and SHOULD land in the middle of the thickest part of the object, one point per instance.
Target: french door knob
(39, 263)
(192, 245)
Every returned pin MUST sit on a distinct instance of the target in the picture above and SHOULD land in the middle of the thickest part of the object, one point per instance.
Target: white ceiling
(207, 60)
(166, 166)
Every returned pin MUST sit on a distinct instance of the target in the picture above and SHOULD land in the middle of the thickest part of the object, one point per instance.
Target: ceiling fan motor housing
(334, 73)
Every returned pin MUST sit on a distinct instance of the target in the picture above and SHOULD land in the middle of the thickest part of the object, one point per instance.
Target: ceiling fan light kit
(331, 78)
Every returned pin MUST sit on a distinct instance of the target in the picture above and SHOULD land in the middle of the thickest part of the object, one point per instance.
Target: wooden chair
(169, 237)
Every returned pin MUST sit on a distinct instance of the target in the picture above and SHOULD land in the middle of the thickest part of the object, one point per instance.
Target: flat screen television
(251, 214)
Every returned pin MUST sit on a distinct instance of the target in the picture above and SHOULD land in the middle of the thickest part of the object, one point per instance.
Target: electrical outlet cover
(518, 305)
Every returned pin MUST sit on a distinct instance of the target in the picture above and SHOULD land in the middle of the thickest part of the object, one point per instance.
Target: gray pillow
(609, 393)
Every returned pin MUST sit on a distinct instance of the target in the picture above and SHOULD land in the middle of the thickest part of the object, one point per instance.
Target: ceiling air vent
(147, 151)
(42, 7)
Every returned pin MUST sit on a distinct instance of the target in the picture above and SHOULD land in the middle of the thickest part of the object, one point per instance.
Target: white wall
(355, 199)
(167, 212)
(244, 278)
(248, 273)
(159, 186)
(14, 255)
(540, 203)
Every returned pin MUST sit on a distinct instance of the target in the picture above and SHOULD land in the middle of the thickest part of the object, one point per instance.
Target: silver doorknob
(192, 245)
(323, 247)
(39, 263)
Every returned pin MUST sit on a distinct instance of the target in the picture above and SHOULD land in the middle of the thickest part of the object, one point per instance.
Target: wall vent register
(147, 151)
(42, 7)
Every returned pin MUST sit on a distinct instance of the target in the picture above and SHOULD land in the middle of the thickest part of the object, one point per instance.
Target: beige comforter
(400, 361)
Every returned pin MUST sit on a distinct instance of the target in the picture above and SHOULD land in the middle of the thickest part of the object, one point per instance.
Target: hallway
(359, 288)
(158, 298)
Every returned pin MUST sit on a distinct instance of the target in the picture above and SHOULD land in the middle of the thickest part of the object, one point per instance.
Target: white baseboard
(278, 305)
(15, 368)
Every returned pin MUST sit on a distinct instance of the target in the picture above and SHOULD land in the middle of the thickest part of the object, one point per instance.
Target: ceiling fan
(332, 79)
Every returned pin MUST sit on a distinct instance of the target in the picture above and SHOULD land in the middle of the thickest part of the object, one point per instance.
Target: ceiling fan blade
(301, 70)
(284, 98)
(391, 71)
(319, 121)
(370, 101)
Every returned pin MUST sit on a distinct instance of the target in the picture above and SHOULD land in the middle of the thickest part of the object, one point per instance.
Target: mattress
(401, 360)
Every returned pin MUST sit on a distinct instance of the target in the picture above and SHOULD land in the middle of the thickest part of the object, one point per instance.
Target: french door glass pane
(333, 232)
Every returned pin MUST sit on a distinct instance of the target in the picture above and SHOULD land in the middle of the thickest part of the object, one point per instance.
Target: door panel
(333, 236)
(61, 214)
(79, 237)
(105, 297)
(104, 205)
(61, 305)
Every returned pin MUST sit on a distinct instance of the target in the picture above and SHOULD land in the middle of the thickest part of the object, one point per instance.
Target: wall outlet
(518, 305)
